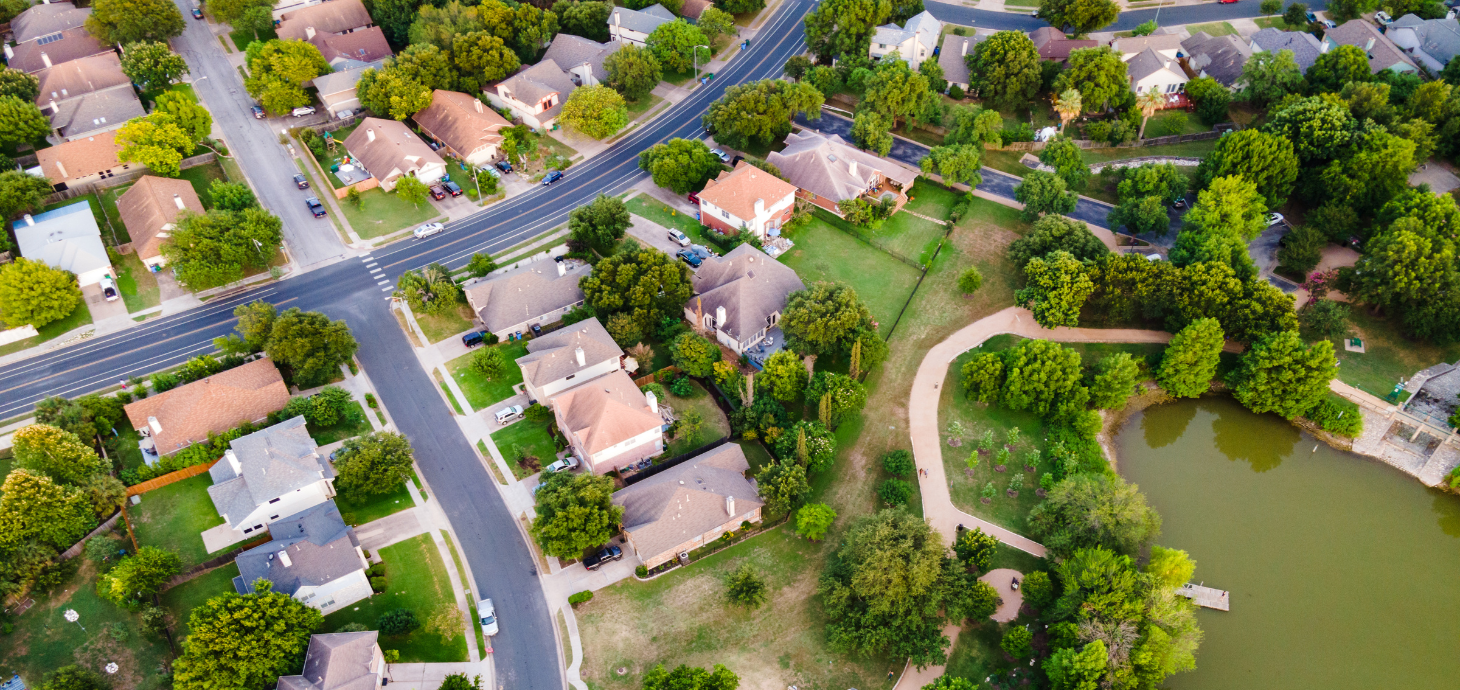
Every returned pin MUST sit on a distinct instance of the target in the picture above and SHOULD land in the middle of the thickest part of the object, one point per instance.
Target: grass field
(1171, 122)
(1213, 28)
(716, 425)
(824, 253)
(242, 38)
(481, 392)
(78, 318)
(182, 599)
(529, 439)
(324, 436)
(655, 210)
(137, 284)
(174, 516)
(415, 579)
(1388, 356)
(1275, 23)
(638, 108)
(381, 213)
(439, 327)
(360, 509)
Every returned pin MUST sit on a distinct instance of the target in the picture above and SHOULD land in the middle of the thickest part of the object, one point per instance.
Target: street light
(695, 54)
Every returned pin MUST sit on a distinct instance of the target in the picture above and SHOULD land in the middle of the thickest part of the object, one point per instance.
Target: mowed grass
(415, 579)
(716, 426)
(1388, 355)
(910, 237)
(480, 391)
(439, 327)
(652, 209)
(182, 599)
(358, 509)
(174, 517)
(381, 213)
(526, 439)
(1213, 28)
(137, 284)
(44, 640)
(823, 253)
(79, 317)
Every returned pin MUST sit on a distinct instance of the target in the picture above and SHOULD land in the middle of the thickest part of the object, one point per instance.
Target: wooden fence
(76, 548)
(654, 377)
(169, 478)
(84, 188)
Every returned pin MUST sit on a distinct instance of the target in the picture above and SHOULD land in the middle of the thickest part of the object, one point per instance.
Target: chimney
(44, 58)
(284, 558)
(852, 168)
(759, 206)
(652, 400)
(31, 221)
(1369, 45)
(62, 168)
(54, 109)
(232, 459)
(370, 135)
(562, 269)
(309, 33)
(730, 505)
(178, 200)
(720, 316)
(478, 103)
(578, 354)
(617, 21)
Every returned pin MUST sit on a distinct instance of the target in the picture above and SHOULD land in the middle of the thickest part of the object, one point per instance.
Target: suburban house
(337, 89)
(33, 56)
(747, 199)
(535, 94)
(87, 96)
(389, 150)
(341, 50)
(826, 170)
(740, 296)
(172, 420)
(1382, 52)
(340, 661)
(312, 556)
(609, 423)
(1166, 45)
(1054, 45)
(47, 21)
(581, 58)
(80, 161)
(335, 17)
(283, 7)
(567, 357)
(1152, 70)
(66, 238)
(1305, 46)
(460, 122)
(953, 58)
(634, 26)
(912, 42)
(688, 505)
(268, 474)
(1431, 42)
(150, 209)
(536, 294)
(1218, 57)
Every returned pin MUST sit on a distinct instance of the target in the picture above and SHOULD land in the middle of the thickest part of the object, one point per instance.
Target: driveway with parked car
(654, 235)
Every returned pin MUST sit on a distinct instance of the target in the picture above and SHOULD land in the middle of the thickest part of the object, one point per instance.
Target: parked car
(690, 258)
(552, 177)
(315, 207)
(568, 463)
(1382, 18)
(258, 112)
(694, 198)
(509, 413)
(109, 289)
(488, 614)
(1274, 218)
(504, 166)
(724, 157)
(608, 553)
(473, 339)
(1312, 17)
(301, 112)
(736, 161)
(197, 13)
(428, 230)
(1329, 23)
(678, 238)
(438, 192)
(301, 181)
(452, 188)
(1226, 2)
(536, 330)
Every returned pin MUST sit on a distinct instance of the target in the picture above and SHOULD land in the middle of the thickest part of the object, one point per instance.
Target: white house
(912, 43)
(536, 94)
(568, 357)
(66, 238)
(313, 556)
(634, 26)
(1166, 45)
(739, 296)
(389, 150)
(1152, 70)
(608, 423)
(269, 474)
(747, 199)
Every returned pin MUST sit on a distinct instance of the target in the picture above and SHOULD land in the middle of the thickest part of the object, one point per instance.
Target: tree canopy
(690, 678)
(278, 71)
(600, 223)
(597, 111)
(219, 247)
(1080, 16)
(56, 453)
(896, 92)
(1056, 288)
(245, 641)
(128, 21)
(1097, 73)
(645, 283)
(1044, 193)
(575, 512)
(680, 165)
(32, 293)
(21, 121)
(1283, 375)
(761, 111)
(35, 508)
(136, 578)
(1191, 359)
(310, 346)
(1056, 233)
(1006, 69)
(632, 70)
(824, 319)
(1094, 510)
(374, 464)
(676, 46)
(1266, 160)
(152, 65)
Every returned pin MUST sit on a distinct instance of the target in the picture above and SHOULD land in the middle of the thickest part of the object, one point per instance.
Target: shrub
(370, 400)
(377, 584)
(163, 381)
(1337, 416)
(641, 571)
(1019, 131)
(898, 463)
(585, 596)
(681, 387)
(895, 492)
(955, 92)
(1038, 589)
(377, 570)
(746, 587)
(970, 280)
(1017, 642)
(397, 621)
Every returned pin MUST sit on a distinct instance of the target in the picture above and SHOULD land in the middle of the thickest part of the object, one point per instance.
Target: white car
(109, 289)
(678, 238)
(509, 413)
(1274, 218)
(488, 615)
(721, 155)
(428, 230)
(1383, 18)
(301, 112)
(568, 463)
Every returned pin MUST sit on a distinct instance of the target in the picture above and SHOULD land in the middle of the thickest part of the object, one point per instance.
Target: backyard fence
(656, 469)
(84, 188)
(76, 548)
(169, 478)
(334, 125)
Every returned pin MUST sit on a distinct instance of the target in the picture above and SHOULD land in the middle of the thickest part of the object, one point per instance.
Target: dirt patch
(105, 649)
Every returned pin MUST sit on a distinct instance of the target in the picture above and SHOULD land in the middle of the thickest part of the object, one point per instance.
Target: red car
(694, 198)
(437, 192)
(1226, 2)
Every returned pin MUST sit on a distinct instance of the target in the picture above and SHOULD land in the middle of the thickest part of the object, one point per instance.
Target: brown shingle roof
(737, 191)
(337, 661)
(533, 84)
(393, 147)
(827, 167)
(215, 404)
(692, 9)
(337, 16)
(463, 122)
(365, 45)
(74, 44)
(1053, 45)
(80, 77)
(605, 411)
(47, 18)
(1157, 42)
(80, 158)
(687, 500)
(526, 294)
(749, 284)
(553, 356)
(1382, 52)
(152, 203)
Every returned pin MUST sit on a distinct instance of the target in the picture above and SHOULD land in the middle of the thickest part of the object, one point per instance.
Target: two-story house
(747, 199)
(389, 150)
(268, 474)
(461, 123)
(150, 209)
(1166, 45)
(953, 58)
(634, 26)
(581, 58)
(688, 505)
(912, 43)
(608, 423)
(536, 294)
(1430, 42)
(54, 48)
(739, 297)
(1152, 70)
(568, 357)
(827, 170)
(87, 96)
(340, 661)
(312, 556)
(334, 17)
(1382, 53)
(536, 94)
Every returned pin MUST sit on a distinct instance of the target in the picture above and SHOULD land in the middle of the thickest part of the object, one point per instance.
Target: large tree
(32, 293)
(278, 71)
(1080, 16)
(482, 58)
(1098, 74)
(1190, 361)
(136, 578)
(1043, 193)
(185, 112)
(1210, 98)
(310, 345)
(681, 165)
(1114, 382)
(374, 464)
(156, 141)
(896, 92)
(693, 354)
(1281, 374)
(21, 191)
(646, 284)
(34, 508)
(783, 376)
(1374, 170)
(1056, 288)
(1006, 69)
(676, 45)
(844, 28)
(597, 111)
(392, 93)
(575, 512)
(152, 65)
(439, 25)
(245, 641)
(56, 453)
(1089, 510)
(1266, 160)
(1057, 233)
(959, 164)
(974, 125)
(633, 71)
(1319, 128)
(760, 111)
(584, 18)
(872, 131)
(1064, 156)
(1339, 66)
(217, 248)
(231, 11)
(1269, 76)
(690, 678)
(126, 21)
(1045, 378)
(601, 223)
(14, 82)
(21, 121)
(825, 319)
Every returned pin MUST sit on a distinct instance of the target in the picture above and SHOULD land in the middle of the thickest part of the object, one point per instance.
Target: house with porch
(268, 474)
(912, 42)
(340, 661)
(150, 209)
(175, 419)
(747, 199)
(312, 556)
(568, 357)
(67, 238)
(389, 150)
(826, 170)
(689, 505)
(536, 94)
(536, 294)
(739, 297)
(466, 128)
(609, 423)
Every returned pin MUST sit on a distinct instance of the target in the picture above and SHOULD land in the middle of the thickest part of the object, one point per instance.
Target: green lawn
(358, 510)
(1171, 122)
(532, 440)
(182, 599)
(912, 238)
(415, 579)
(1190, 149)
(201, 177)
(78, 318)
(825, 253)
(716, 425)
(455, 404)
(174, 516)
(637, 108)
(1276, 23)
(381, 214)
(480, 391)
(326, 435)
(650, 208)
(124, 446)
(439, 327)
(242, 38)
(1212, 28)
(1388, 355)
(463, 179)
(137, 284)
(471, 600)
(756, 455)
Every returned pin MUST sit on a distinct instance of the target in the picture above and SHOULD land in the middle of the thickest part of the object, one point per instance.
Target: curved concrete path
(1002, 580)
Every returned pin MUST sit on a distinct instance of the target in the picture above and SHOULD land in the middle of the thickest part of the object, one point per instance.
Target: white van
(509, 413)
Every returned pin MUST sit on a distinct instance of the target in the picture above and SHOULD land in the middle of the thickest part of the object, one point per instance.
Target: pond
(1342, 570)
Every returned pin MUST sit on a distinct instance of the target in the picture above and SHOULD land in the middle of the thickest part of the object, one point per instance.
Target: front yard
(480, 391)
(174, 517)
(648, 207)
(824, 253)
(381, 213)
(526, 441)
(439, 327)
(136, 283)
(352, 423)
(358, 509)
(416, 579)
(78, 318)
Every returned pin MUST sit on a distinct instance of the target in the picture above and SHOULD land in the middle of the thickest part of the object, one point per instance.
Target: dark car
(301, 181)
(504, 166)
(536, 330)
(736, 161)
(258, 112)
(552, 177)
(690, 258)
(197, 13)
(609, 553)
(452, 188)
(438, 192)
(473, 339)
(315, 207)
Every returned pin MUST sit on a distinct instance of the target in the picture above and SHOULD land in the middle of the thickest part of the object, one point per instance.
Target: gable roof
(553, 356)
(150, 204)
(333, 17)
(1220, 57)
(1136, 44)
(320, 548)
(825, 165)
(692, 9)
(79, 158)
(79, 77)
(343, 79)
(461, 120)
(30, 57)
(46, 19)
(1305, 46)
(66, 238)
(393, 146)
(568, 51)
(99, 111)
(687, 500)
(263, 466)
(188, 413)
(537, 82)
(737, 190)
(365, 45)
(924, 23)
(1438, 39)
(750, 286)
(643, 21)
(1149, 62)
(525, 294)
(1382, 52)
(605, 412)
(337, 661)
(1054, 45)
(952, 56)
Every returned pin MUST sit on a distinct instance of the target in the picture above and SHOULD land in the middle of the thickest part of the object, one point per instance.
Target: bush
(898, 463)
(1019, 131)
(377, 570)
(1337, 416)
(746, 587)
(585, 595)
(102, 547)
(681, 387)
(895, 492)
(955, 92)
(397, 621)
(1038, 589)
(370, 400)
(641, 571)
(1017, 642)
(163, 381)
(377, 585)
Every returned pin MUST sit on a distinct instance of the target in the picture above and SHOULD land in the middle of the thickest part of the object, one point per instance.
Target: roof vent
(284, 558)
(178, 200)
(831, 157)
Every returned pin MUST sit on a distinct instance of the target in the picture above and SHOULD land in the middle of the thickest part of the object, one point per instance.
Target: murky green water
(1344, 573)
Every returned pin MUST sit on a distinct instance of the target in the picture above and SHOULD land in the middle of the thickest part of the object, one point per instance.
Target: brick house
(609, 423)
(827, 170)
(689, 505)
(172, 420)
(747, 199)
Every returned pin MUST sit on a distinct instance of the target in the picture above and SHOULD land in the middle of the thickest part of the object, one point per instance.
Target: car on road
(504, 166)
(315, 207)
(552, 177)
(197, 13)
(109, 289)
(1274, 218)
(452, 188)
(301, 112)
(679, 238)
(428, 230)
(258, 112)
(690, 258)
(1226, 2)
(724, 157)
(509, 413)
(608, 553)
(301, 181)
(438, 192)
(488, 614)
(568, 463)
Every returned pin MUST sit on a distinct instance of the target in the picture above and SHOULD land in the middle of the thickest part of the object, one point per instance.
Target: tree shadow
(1260, 442)
(1165, 424)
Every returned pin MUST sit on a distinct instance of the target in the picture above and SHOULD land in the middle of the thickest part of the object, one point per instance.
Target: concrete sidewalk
(429, 676)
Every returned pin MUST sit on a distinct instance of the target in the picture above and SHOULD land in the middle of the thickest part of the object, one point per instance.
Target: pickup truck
(608, 553)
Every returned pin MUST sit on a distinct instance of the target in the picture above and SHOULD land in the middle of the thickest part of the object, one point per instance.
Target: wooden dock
(1207, 597)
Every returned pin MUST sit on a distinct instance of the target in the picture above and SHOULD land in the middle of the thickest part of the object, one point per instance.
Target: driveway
(455, 207)
(653, 234)
(101, 309)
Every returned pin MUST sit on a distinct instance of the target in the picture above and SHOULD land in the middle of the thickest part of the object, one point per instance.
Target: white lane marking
(385, 289)
(374, 270)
